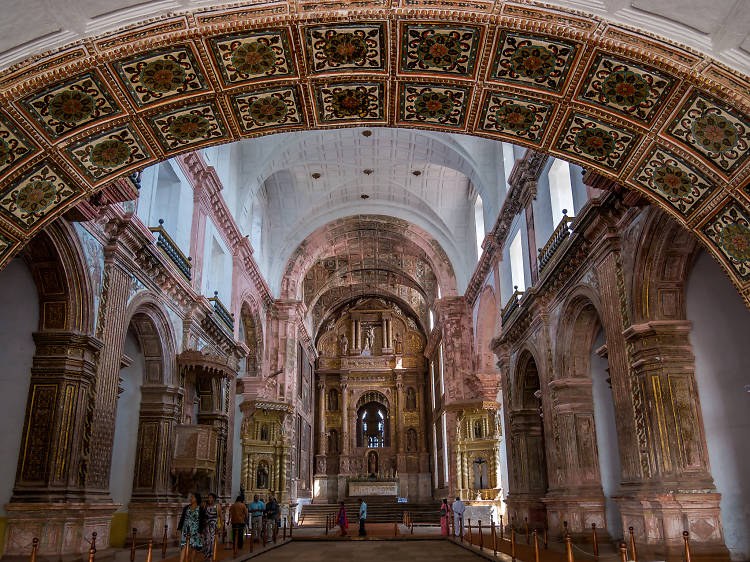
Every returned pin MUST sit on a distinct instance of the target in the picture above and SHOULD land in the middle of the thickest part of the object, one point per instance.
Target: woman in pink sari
(445, 513)
(341, 519)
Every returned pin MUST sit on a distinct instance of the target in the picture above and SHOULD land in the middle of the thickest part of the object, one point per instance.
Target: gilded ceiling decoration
(659, 118)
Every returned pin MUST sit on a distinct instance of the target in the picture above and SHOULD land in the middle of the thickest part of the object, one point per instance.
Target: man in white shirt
(458, 516)
(362, 517)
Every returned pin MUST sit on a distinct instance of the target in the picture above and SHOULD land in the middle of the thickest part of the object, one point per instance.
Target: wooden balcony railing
(559, 236)
(222, 312)
(168, 246)
(512, 305)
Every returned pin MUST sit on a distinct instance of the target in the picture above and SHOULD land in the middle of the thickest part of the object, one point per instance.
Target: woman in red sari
(341, 519)
(445, 513)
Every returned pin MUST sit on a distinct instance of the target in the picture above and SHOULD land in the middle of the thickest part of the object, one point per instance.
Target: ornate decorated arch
(659, 118)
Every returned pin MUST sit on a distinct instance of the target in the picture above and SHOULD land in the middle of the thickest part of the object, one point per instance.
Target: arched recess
(662, 262)
(583, 409)
(486, 323)
(161, 401)
(252, 331)
(60, 390)
(526, 432)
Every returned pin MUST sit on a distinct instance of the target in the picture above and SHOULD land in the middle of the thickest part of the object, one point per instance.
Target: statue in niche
(264, 432)
(333, 400)
(372, 463)
(398, 345)
(411, 399)
(478, 429)
(369, 338)
(261, 479)
(344, 344)
(411, 441)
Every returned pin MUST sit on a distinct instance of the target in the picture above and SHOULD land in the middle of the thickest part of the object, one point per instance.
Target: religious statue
(344, 344)
(399, 345)
(369, 337)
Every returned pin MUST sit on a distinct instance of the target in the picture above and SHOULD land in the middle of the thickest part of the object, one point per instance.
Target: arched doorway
(527, 487)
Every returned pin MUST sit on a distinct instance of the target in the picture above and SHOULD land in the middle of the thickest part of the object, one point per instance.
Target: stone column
(399, 418)
(576, 494)
(676, 492)
(49, 499)
(345, 416)
(322, 415)
(353, 342)
(384, 323)
(390, 333)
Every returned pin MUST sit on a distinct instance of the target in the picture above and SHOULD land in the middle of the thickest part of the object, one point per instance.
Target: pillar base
(148, 519)
(64, 530)
(659, 519)
(523, 505)
(580, 509)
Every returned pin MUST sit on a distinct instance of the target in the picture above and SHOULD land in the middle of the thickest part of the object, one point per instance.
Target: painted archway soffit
(660, 118)
(357, 237)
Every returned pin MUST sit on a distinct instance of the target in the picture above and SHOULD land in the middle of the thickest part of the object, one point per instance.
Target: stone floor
(370, 551)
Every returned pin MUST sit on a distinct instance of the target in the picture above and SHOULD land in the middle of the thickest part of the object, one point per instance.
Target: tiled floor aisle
(371, 551)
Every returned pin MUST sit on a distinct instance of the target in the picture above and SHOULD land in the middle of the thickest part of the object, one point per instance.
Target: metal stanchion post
(536, 547)
(526, 526)
(594, 542)
(150, 551)
(164, 543)
(569, 549)
(34, 548)
(502, 532)
(624, 552)
(632, 544)
(686, 538)
(513, 543)
(481, 539)
(132, 546)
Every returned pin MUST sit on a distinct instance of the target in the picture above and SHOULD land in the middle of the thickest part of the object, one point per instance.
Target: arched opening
(528, 486)
(19, 302)
(606, 433)
(720, 325)
(584, 401)
(373, 426)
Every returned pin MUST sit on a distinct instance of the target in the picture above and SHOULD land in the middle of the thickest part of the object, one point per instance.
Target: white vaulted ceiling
(720, 28)
(276, 180)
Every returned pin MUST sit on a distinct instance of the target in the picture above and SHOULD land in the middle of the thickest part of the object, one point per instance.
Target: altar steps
(379, 510)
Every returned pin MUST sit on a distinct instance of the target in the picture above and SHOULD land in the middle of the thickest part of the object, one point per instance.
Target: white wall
(166, 194)
(126, 425)
(721, 328)
(20, 317)
(217, 266)
(606, 437)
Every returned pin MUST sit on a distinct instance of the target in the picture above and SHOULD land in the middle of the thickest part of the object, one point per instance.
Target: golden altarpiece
(265, 451)
(371, 434)
(478, 438)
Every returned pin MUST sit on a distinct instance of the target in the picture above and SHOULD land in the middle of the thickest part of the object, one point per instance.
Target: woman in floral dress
(213, 517)
(192, 523)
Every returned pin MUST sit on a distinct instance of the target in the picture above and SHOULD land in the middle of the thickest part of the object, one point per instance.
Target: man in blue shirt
(256, 516)
(362, 517)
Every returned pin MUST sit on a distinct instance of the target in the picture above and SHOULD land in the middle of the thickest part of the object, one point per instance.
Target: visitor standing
(213, 524)
(458, 515)
(256, 516)
(238, 518)
(362, 517)
(273, 512)
(341, 519)
(192, 523)
(445, 513)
